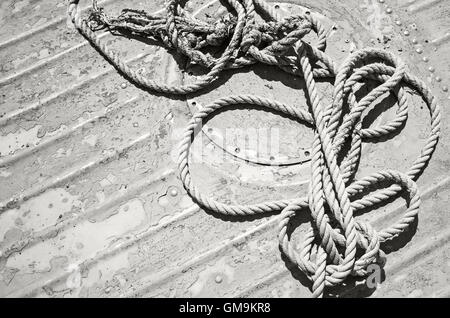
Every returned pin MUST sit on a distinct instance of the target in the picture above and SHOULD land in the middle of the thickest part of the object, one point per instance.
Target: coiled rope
(337, 245)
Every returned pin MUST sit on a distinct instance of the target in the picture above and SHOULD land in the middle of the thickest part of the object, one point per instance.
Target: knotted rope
(337, 245)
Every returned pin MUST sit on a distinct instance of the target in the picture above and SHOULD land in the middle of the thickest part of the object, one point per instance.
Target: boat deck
(90, 200)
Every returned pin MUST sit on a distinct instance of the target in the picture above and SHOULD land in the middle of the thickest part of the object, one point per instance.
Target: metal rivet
(438, 79)
(419, 50)
(431, 69)
(398, 22)
(381, 1)
(425, 59)
(414, 41)
(123, 85)
(388, 10)
(218, 279)
(174, 192)
(445, 88)
(406, 32)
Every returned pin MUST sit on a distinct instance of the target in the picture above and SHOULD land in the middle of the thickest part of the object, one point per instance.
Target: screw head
(398, 22)
(414, 41)
(406, 32)
(174, 192)
(218, 279)
(438, 79)
(445, 89)
(431, 69)
(123, 85)
(388, 10)
(425, 59)
(419, 50)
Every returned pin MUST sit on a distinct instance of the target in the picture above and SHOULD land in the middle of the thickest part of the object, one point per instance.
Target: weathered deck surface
(89, 159)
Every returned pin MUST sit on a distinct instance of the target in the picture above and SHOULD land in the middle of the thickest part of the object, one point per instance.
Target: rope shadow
(178, 58)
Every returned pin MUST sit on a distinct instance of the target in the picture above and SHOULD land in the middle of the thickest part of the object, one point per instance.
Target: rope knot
(222, 30)
(252, 37)
(97, 20)
(293, 22)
